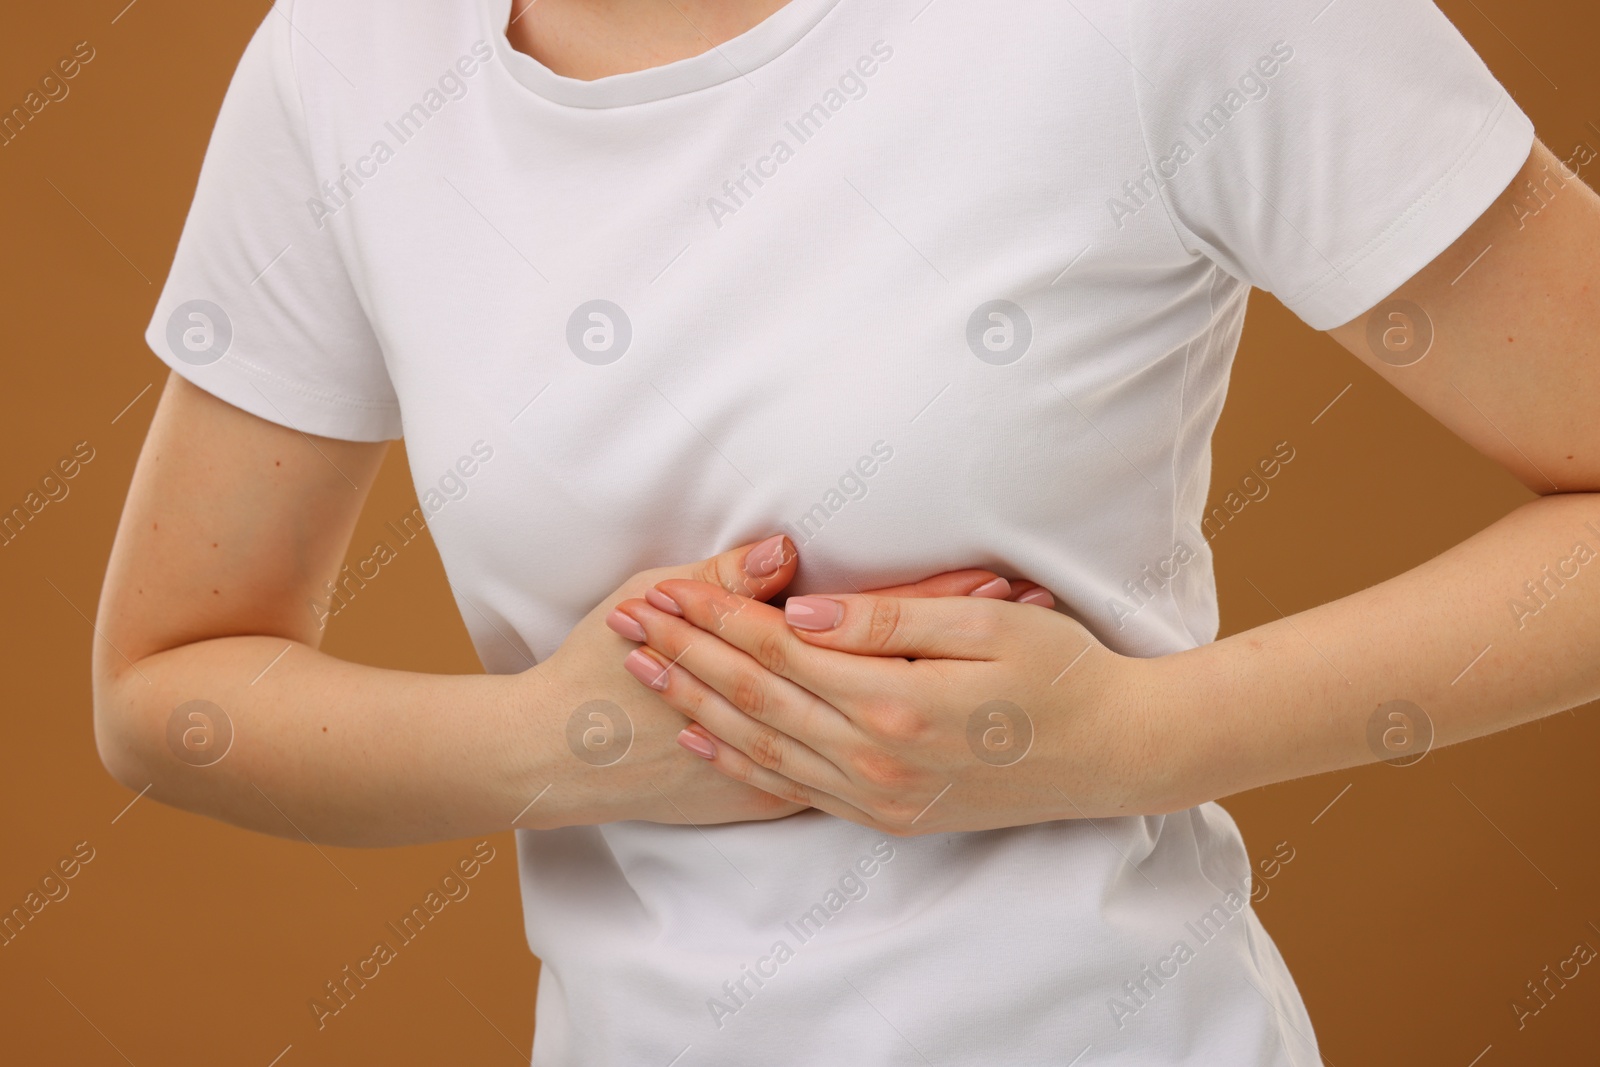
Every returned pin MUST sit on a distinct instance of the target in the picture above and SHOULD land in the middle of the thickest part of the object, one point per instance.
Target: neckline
(755, 47)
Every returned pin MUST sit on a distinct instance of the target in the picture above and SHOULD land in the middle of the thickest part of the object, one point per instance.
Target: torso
(888, 276)
(852, 277)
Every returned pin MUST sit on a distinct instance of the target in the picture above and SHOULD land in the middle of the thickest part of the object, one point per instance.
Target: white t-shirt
(926, 285)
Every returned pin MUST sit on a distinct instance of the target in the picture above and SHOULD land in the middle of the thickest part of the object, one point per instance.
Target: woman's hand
(623, 763)
(908, 715)
(617, 738)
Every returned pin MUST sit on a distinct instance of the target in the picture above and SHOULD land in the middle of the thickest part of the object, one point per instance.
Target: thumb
(757, 571)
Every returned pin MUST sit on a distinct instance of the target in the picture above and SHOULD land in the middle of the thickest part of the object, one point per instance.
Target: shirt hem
(286, 402)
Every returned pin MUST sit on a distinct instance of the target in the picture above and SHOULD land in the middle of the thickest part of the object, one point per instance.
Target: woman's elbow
(118, 733)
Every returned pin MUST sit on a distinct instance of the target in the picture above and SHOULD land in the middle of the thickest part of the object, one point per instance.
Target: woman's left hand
(911, 716)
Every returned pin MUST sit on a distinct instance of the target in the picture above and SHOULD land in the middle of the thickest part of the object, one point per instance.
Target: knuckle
(772, 652)
(883, 621)
(724, 572)
(687, 699)
(695, 701)
(766, 748)
(748, 693)
(708, 571)
(795, 793)
(895, 723)
(743, 771)
(882, 770)
(896, 816)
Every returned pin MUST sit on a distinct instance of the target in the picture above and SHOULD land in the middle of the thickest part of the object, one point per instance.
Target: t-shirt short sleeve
(258, 307)
(1323, 151)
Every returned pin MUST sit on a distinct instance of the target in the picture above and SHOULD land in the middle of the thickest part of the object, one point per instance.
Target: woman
(835, 296)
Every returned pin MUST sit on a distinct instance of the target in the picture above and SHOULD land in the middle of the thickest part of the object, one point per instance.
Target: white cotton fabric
(402, 224)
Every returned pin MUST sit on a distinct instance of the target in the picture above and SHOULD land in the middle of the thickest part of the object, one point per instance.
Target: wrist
(1260, 707)
(1176, 723)
(536, 776)
(581, 759)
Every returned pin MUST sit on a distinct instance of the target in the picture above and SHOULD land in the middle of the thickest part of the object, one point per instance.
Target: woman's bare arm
(231, 527)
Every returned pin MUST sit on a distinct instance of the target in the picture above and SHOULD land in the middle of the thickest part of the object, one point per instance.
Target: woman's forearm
(1499, 630)
(271, 734)
(294, 742)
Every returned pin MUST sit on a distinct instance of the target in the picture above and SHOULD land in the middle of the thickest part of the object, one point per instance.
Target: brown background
(1409, 919)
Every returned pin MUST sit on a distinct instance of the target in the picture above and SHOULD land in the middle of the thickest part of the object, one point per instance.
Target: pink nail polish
(997, 589)
(813, 612)
(662, 601)
(697, 744)
(764, 560)
(625, 624)
(643, 666)
(1037, 596)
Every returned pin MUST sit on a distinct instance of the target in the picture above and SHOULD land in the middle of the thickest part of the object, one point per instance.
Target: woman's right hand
(616, 754)
(616, 740)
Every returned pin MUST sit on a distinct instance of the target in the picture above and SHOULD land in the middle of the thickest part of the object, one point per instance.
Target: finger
(728, 760)
(761, 696)
(735, 764)
(951, 583)
(968, 628)
(756, 571)
(761, 633)
(762, 743)
(759, 570)
(1026, 592)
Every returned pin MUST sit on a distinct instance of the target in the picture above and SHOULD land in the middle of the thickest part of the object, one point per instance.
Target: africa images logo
(199, 332)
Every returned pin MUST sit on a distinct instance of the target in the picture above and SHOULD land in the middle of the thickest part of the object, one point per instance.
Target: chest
(872, 298)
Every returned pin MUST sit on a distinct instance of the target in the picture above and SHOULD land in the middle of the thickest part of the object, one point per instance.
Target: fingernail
(1037, 596)
(998, 589)
(813, 612)
(700, 746)
(660, 600)
(625, 624)
(764, 560)
(644, 667)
